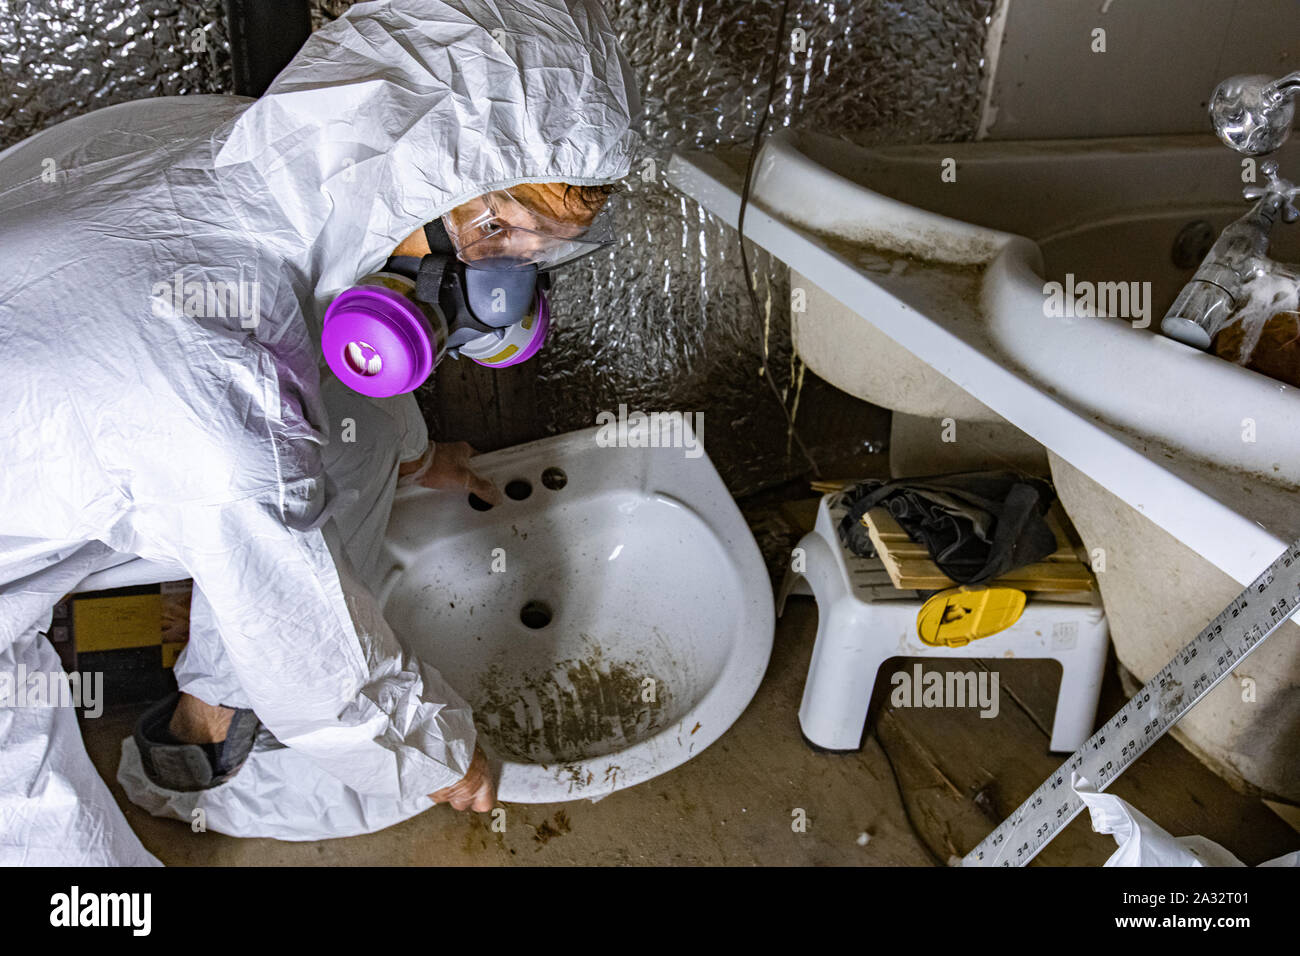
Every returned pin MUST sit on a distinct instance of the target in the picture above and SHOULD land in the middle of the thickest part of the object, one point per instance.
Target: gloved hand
(449, 470)
(476, 790)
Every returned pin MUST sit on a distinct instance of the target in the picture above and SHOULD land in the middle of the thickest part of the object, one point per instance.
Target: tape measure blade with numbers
(1270, 601)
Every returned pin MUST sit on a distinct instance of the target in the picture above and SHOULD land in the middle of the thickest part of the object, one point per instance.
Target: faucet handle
(1283, 189)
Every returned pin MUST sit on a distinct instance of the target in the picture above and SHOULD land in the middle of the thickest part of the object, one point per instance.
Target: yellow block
(170, 651)
(112, 623)
(957, 616)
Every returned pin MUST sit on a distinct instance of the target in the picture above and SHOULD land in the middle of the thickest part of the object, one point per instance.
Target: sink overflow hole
(535, 615)
(518, 489)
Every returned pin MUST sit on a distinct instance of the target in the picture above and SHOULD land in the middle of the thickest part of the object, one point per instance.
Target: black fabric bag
(977, 526)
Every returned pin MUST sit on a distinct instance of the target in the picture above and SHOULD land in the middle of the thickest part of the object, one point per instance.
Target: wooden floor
(489, 408)
(961, 774)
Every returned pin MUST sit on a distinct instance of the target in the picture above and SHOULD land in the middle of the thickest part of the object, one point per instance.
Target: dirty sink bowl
(607, 622)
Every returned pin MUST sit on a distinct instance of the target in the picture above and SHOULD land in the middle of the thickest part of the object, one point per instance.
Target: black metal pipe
(264, 36)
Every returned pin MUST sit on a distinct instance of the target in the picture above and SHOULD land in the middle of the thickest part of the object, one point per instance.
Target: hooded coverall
(145, 411)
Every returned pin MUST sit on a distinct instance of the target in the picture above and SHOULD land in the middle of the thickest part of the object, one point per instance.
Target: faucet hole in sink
(519, 489)
(478, 504)
(554, 478)
(536, 615)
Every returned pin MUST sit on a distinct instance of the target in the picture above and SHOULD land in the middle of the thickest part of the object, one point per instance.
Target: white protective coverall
(139, 416)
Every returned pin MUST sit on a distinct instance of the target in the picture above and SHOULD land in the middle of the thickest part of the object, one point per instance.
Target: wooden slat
(828, 486)
(910, 566)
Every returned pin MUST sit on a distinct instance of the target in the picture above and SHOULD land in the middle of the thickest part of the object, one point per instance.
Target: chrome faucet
(1239, 254)
(1253, 115)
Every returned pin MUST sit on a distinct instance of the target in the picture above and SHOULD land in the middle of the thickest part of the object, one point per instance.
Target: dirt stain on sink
(578, 709)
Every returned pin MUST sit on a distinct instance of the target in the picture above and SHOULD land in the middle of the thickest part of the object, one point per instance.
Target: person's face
(520, 224)
(546, 199)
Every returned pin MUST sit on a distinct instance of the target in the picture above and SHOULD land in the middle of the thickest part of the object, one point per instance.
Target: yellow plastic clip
(957, 616)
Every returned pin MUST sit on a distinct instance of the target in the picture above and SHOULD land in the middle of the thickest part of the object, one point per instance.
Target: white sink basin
(954, 272)
(626, 625)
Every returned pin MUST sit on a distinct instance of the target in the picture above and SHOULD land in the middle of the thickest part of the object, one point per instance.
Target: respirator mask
(479, 294)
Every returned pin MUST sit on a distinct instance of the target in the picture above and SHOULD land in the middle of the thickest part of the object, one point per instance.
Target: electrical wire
(740, 224)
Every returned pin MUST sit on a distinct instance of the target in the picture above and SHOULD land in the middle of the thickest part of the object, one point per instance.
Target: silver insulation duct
(62, 58)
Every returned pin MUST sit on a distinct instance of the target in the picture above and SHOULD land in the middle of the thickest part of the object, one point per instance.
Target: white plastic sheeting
(1143, 843)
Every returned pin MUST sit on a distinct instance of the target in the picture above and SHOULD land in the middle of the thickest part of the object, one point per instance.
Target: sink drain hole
(536, 615)
(554, 478)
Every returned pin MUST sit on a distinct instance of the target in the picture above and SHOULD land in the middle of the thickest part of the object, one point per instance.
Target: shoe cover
(277, 793)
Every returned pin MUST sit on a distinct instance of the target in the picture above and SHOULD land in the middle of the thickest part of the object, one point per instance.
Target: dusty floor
(735, 803)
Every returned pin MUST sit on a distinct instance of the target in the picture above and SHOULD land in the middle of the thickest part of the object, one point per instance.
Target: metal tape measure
(1240, 627)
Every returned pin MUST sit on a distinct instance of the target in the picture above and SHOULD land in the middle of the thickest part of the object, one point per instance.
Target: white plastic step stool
(863, 620)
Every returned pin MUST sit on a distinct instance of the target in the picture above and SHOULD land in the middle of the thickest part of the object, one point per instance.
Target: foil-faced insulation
(60, 58)
(663, 322)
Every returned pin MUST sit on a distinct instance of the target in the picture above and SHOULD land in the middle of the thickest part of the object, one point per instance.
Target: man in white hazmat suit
(134, 421)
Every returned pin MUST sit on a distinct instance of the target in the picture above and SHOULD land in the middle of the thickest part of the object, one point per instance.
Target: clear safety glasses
(498, 226)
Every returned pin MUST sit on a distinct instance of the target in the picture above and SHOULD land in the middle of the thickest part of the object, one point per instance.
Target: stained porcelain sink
(607, 622)
(955, 272)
